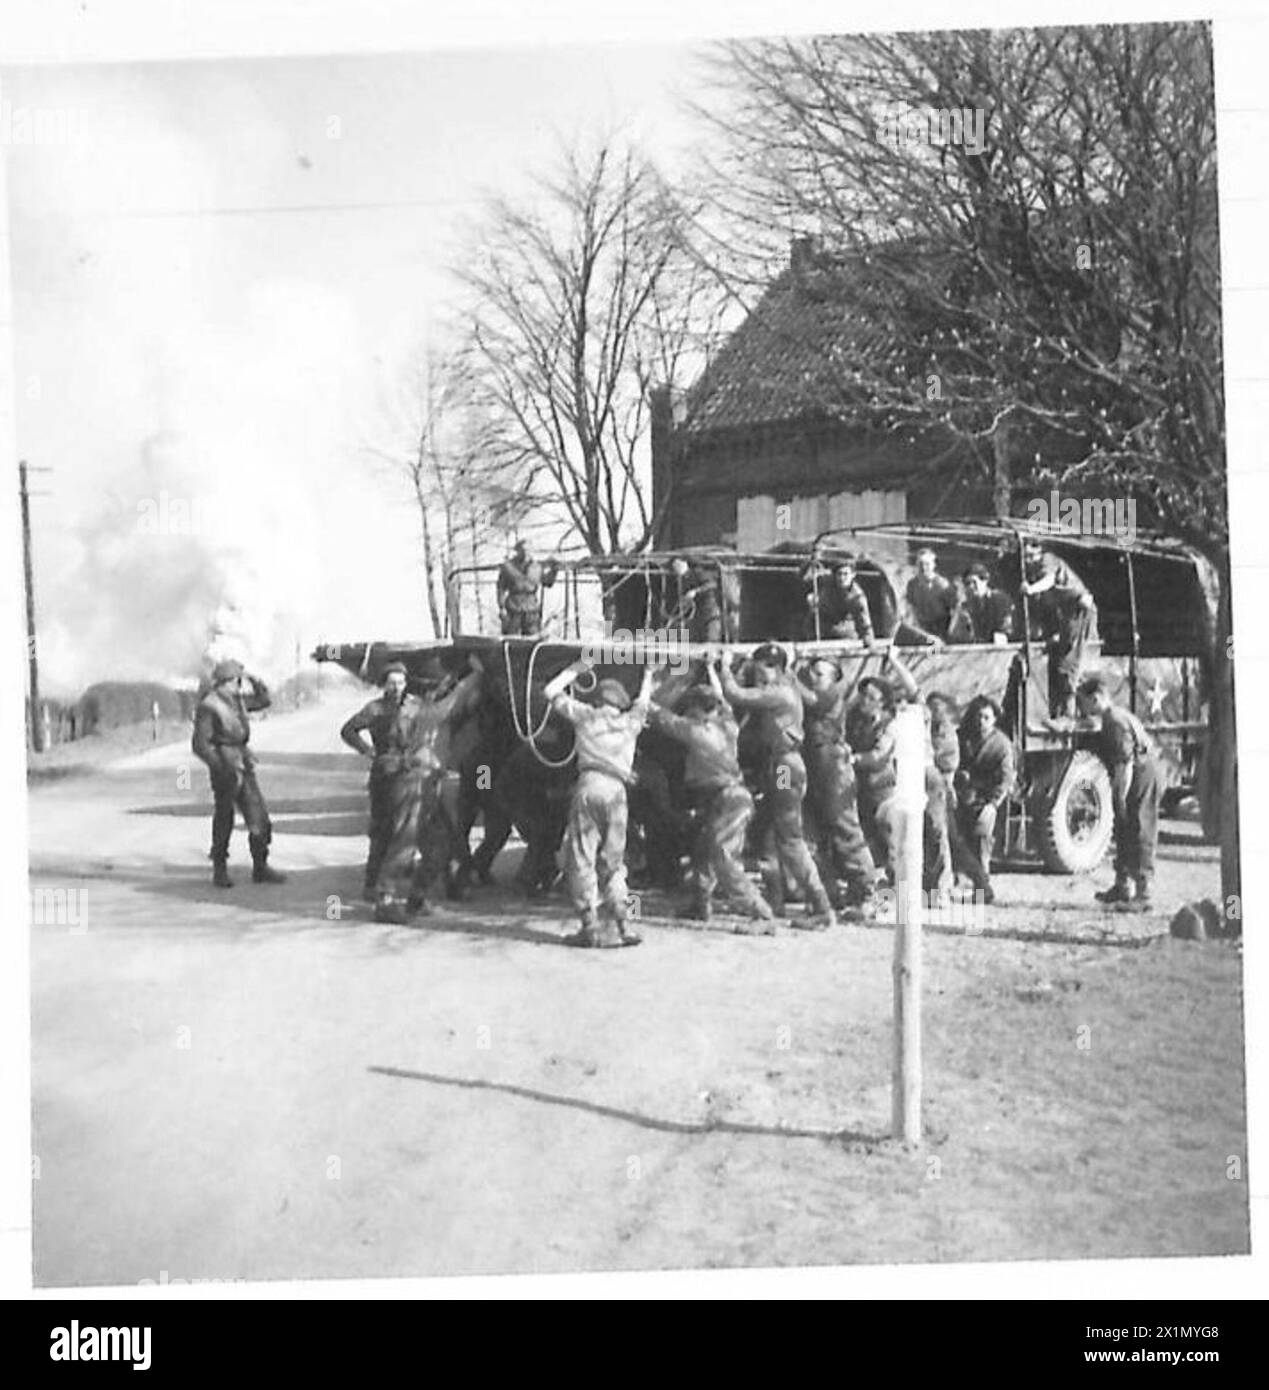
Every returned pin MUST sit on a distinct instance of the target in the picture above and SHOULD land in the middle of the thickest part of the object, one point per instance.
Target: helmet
(612, 692)
(769, 654)
(228, 670)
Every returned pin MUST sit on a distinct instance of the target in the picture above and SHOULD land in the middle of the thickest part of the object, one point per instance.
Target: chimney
(661, 402)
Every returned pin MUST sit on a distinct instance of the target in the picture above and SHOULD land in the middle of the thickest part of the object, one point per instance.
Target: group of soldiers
(699, 599)
(795, 767)
(1061, 607)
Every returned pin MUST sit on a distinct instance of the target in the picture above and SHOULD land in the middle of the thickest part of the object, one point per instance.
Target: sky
(216, 273)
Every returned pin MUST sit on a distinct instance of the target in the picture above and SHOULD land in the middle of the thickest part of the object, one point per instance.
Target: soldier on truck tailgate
(1125, 747)
(831, 797)
(775, 706)
(595, 842)
(987, 613)
(692, 601)
(409, 836)
(1066, 614)
(930, 599)
(221, 732)
(707, 729)
(836, 605)
(520, 583)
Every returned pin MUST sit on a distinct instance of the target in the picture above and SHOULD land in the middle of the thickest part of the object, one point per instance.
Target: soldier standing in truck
(836, 604)
(520, 583)
(1066, 615)
(930, 599)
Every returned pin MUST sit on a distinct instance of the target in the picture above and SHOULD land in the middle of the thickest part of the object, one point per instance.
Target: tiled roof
(786, 360)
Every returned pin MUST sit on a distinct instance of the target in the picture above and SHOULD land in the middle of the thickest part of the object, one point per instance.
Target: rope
(523, 732)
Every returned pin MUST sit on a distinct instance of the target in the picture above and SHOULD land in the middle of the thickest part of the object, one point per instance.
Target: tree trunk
(1218, 788)
(1002, 476)
(429, 559)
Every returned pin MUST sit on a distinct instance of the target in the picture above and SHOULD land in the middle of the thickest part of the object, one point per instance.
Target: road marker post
(909, 725)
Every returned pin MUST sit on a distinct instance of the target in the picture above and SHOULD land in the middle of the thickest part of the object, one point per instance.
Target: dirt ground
(264, 1083)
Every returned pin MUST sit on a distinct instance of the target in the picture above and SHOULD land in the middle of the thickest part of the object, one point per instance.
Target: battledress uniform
(777, 712)
(983, 781)
(222, 731)
(932, 603)
(1136, 788)
(409, 835)
(1067, 616)
(595, 840)
(724, 806)
(831, 793)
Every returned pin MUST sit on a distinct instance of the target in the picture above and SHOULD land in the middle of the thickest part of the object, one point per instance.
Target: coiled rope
(523, 732)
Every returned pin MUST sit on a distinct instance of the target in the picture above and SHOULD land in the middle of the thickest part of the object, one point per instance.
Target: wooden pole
(910, 805)
(33, 662)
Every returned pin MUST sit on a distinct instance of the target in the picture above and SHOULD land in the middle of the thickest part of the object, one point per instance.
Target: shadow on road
(308, 806)
(710, 1125)
(313, 762)
(331, 897)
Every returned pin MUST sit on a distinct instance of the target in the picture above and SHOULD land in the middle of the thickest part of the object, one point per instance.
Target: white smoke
(196, 431)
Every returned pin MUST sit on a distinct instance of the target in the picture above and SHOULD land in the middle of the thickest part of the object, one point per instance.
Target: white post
(909, 727)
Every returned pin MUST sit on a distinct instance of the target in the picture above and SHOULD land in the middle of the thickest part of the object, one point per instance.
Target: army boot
(220, 873)
(773, 889)
(819, 912)
(260, 871)
(627, 935)
(392, 910)
(585, 935)
(1120, 892)
(699, 908)
(756, 918)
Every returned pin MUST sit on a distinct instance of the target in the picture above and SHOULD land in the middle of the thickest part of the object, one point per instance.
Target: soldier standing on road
(1125, 747)
(520, 583)
(983, 782)
(831, 795)
(1066, 614)
(707, 729)
(870, 735)
(409, 838)
(942, 760)
(595, 842)
(391, 721)
(221, 732)
(775, 705)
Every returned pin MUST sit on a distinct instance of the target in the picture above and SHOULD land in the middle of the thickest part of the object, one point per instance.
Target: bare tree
(433, 435)
(1027, 221)
(579, 302)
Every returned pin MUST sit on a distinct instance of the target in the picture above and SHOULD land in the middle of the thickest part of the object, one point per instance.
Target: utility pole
(37, 723)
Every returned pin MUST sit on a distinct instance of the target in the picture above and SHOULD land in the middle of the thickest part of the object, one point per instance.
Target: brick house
(763, 447)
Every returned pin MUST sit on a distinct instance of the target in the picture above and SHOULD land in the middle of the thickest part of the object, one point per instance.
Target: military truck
(1155, 602)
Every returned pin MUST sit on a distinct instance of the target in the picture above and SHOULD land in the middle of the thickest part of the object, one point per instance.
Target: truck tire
(1076, 824)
